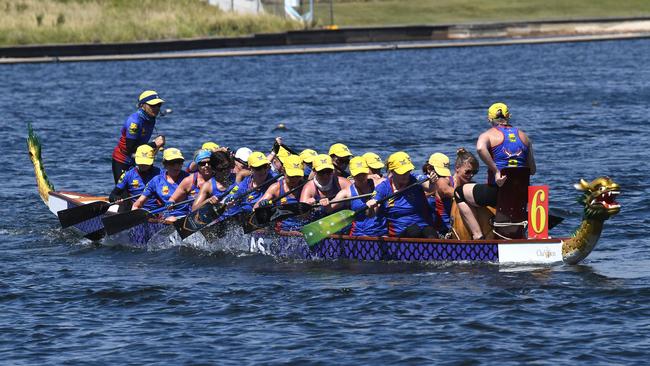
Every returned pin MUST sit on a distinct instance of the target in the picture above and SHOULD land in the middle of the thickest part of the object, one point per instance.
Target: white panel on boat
(55, 204)
(530, 252)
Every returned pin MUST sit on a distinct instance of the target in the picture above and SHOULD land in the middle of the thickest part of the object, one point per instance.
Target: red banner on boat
(538, 212)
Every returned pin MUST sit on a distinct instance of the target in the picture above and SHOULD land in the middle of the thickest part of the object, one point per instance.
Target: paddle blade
(332, 224)
(75, 215)
(198, 219)
(115, 223)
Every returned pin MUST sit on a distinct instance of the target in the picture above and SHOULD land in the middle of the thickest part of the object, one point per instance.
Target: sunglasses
(203, 163)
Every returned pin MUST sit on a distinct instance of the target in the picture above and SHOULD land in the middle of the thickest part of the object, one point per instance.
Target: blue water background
(585, 106)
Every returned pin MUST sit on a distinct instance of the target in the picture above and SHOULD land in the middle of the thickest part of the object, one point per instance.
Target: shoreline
(341, 40)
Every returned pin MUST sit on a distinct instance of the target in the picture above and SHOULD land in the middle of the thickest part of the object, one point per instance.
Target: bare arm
(204, 193)
(140, 202)
(531, 157)
(271, 193)
(180, 193)
(483, 148)
(307, 194)
(444, 188)
(344, 193)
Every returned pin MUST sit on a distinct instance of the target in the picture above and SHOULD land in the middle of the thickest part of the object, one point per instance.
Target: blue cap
(202, 154)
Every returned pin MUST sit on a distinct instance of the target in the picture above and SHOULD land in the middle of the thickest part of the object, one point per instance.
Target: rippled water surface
(585, 105)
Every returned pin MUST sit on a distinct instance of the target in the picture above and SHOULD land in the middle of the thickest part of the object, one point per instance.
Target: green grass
(404, 12)
(102, 21)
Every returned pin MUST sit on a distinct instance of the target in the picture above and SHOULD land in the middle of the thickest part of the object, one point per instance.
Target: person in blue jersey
(136, 131)
(133, 181)
(260, 166)
(375, 164)
(293, 178)
(363, 225)
(499, 147)
(408, 214)
(221, 187)
(209, 145)
(162, 186)
(191, 185)
(324, 187)
(340, 155)
(307, 157)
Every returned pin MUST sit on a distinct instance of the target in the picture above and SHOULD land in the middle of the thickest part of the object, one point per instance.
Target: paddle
(209, 212)
(74, 215)
(268, 214)
(124, 221)
(321, 228)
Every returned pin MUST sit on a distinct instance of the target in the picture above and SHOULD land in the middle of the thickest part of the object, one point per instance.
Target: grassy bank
(81, 21)
(403, 12)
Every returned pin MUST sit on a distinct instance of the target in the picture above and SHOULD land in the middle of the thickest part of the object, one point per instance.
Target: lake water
(585, 105)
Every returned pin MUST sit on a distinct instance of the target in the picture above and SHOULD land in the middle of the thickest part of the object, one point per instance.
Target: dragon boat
(597, 198)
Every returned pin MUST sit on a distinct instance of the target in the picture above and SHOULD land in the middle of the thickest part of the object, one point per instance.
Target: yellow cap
(172, 154)
(358, 165)
(322, 161)
(340, 150)
(144, 155)
(400, 163)
(209, 145)
(498, 111)
(440, 163)
(308, 155)
(150, 97)
(293, 166)
(373, 160)
(256, 159)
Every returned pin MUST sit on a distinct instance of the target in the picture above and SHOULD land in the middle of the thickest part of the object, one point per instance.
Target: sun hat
(339, 150)
(440, 163)
(209, 145)
(498, 111)
(293, 166)
(358, 165)
(144, 155)
(321, 162)
(308, 155)
(257, 159)
(172, 154)
(373, 160)
(150, 97)
(400, 163)
(202, 154)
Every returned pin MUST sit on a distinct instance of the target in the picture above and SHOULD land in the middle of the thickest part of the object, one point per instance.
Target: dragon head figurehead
(599, 197)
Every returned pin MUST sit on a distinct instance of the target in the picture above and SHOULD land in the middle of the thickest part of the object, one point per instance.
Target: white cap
(243, 153)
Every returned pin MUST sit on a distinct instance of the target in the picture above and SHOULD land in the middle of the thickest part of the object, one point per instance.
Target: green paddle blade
(74, 215)
(115, 223)
(332, 224)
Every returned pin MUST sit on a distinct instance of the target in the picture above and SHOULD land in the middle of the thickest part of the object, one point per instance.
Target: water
(65, 300)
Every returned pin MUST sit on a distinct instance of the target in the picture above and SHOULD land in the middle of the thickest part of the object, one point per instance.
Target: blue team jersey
(246, 204)
(160, 189)
(404, 210)
(134, 182)
(291, 223)
(138, 126)
(231, 195)
(512, 152)
(363, 225)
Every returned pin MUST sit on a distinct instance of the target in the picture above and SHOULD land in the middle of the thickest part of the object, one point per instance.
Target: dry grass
(103, 21)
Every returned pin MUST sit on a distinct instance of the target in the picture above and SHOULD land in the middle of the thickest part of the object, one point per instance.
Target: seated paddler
(191, 185)
(285, 191)
(363, 225)
(133, 181)
(260, 167)
(324, 187)
(375, 164)
(162, 186)
(307, 157)
(407, 215)
(340, 155)
(222, 187)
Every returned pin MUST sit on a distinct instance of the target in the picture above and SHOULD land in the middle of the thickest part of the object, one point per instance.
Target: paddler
(133, 181)
(222, 184)
(499, 147)
(241, 169)
(363, 225)
(209, 145)
(375, 164)
(307, 157)
(191, 185)
(340, 155)
(163, 185)
(325, 185)
(261, 172)
(136, 131)
(293, 178)
(408, 214)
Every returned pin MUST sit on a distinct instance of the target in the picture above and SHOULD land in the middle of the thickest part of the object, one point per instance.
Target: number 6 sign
(538, 212)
